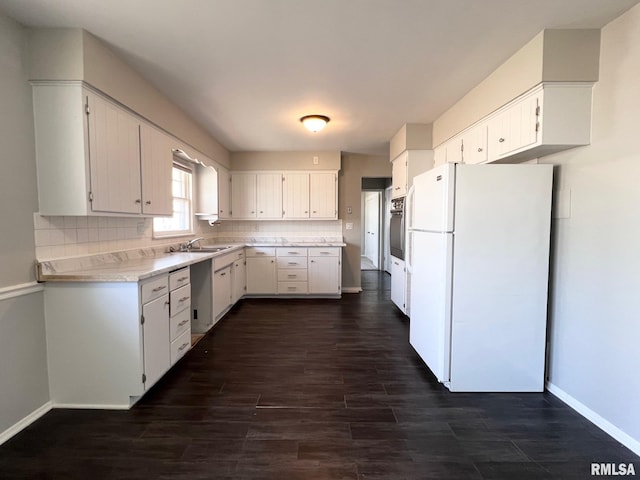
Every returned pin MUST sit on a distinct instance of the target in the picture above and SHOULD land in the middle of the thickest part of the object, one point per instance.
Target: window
(181, 223)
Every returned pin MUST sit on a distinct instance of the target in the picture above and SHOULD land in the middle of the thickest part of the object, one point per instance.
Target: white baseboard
(90, 406)
(351, 289)
(25, 422)
(625, 439)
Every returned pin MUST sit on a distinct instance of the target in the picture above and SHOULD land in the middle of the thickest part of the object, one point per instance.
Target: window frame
(188, 169)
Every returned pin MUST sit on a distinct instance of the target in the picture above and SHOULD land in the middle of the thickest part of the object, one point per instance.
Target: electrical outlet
(349, 210)
(349, 226)
(140, 228)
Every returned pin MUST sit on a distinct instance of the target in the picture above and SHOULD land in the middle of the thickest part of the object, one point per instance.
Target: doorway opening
(375, 207)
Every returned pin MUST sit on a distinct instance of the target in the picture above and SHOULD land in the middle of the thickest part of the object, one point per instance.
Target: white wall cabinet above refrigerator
(547, 119)
(95, 157)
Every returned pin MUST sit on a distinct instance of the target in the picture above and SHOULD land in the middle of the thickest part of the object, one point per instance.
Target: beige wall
(74, 54)
(552, 55)
(354, 167)
(23, 368)
(594, 301)
(285, 160)
(412, 136)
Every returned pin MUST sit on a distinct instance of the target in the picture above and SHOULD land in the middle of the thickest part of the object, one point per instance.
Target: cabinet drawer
(180, 323)
(180, 299)
(154, 288)
(292, 287)
(286, 275)
(261, 252)
(180, 346)
(223, 260)
(292, 262)
(291, 252)
(324, 252)
(179, 278)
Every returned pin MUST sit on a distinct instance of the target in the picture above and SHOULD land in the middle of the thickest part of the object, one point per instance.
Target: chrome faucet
(186, 247)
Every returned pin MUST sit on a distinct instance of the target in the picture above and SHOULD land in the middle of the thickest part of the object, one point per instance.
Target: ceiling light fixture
(315, 123)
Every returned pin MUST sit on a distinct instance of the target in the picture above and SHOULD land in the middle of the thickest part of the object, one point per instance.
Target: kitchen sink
(210, 248)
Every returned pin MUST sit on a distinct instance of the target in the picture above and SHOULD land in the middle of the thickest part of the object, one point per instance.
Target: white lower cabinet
(261, 271)
(221, 291)
(109, 342)
(398, 283)
(238, 278)
(325, 271)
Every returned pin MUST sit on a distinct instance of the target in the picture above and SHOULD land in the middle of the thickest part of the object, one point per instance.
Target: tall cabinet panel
(224, 193)
(156, 161)
(296, 195)
(323, 195)
(269, 195)
(114, 153)
(243, 195)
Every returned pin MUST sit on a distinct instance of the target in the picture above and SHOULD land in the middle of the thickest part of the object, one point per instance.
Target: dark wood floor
(313, 389)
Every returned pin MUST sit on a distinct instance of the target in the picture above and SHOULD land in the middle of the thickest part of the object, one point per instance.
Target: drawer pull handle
(182, 279)
(157, 289)
(259, 253)
(293, 253)
(292, 276)
(182, 323)
(291, 288)
(325, 253)
(292, 263)
(184, 345)
(183, 299)
(223, 274)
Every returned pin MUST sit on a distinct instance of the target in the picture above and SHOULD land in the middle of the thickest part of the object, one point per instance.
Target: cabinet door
(243, 195)
(323, 195)
(440, 155)
(206, 191)
(221, 290)
(261, 275)
(114, 157)
(398, 283)
(269, 195)
(324, 275)
(514, 129)
(454, 150)
(296, 195)
(156, 162)
(475, 145)
(399, 175)
(224, 198)
(239, 280)
(156, 339)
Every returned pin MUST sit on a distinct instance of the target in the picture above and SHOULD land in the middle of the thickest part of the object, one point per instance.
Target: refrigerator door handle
(409, 225)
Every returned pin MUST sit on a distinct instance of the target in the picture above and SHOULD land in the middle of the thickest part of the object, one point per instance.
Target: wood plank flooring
(313, 389)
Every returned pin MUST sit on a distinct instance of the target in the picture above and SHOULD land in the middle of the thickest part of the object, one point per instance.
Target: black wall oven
(396, 230)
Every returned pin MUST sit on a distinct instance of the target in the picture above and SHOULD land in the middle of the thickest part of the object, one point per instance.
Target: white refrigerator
(479, 262)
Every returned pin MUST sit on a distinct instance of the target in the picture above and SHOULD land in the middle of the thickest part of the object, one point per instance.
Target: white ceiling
(247, 70)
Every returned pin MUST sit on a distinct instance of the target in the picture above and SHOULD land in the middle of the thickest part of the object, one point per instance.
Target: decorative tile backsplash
(59, 237)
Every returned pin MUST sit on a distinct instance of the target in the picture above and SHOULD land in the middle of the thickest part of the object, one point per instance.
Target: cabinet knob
(252, 211)
(261, 211)
(315, 211)
(306, 211)
(148, 202)
(501, 140)
(138, 201)
(479, 149)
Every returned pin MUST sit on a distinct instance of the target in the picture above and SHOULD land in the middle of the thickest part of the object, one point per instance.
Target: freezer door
(433, 200)
(430, 324)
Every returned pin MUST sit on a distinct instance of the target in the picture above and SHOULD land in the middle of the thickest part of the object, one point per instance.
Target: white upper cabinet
(323, 197)
(224, 193)
(93, 158)
(269, 195)
(515, 128)
(206, 192)
(406, 166)
(474, 144)
(256, 195)
(284, 195)
(156, 162)
(295, 204)
(399, 175)
(243, 195)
